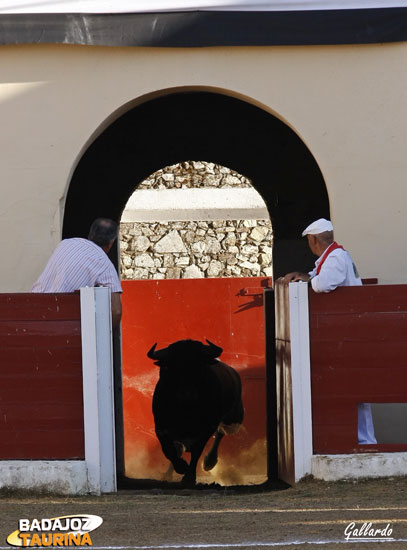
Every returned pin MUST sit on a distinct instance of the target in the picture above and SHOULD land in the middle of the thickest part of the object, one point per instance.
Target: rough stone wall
(195, 249)
(173, 250)
(194, 174)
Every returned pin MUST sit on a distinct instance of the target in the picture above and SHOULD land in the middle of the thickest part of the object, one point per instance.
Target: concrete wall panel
(347, 103)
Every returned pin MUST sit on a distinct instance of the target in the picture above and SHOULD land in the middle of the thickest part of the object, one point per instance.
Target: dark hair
(103, 231)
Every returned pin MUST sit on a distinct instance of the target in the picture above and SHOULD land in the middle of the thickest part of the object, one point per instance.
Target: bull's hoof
(180, 466)
(189, 479)
(210, 461)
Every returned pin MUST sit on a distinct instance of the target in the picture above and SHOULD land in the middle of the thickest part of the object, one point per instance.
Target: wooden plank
(40, 390)
(40, 416)
(41, 409)
(358, 355)
(46, 307)
(35, 445)
(381, 298)
(345, 440)
(39, 334)
(360, 383)
(46, 361)
(378, 354)
(360, 327)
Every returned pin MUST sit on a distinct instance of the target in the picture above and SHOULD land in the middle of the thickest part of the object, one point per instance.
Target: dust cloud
(247, 467)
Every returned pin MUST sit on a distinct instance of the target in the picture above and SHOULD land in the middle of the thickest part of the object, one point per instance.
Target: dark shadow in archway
(205, 126)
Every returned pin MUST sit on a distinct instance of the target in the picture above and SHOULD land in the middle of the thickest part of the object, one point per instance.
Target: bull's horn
(157, 355)
(214, 350)
(151, 353)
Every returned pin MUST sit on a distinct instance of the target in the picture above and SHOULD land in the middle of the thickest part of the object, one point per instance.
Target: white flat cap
(318, 227)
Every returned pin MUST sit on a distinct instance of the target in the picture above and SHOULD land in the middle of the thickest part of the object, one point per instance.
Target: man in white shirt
(334, 267)
(77, 263)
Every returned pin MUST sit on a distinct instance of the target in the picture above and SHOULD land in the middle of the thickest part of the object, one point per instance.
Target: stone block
(198, 248)
(230, 240)
(268, 271)
(212, 246)
(266, 249)
(173, 273)
(183, 261)
(231, 180)
(193, 272)
(127, 261)
(168, 260)
(266, 259)
(143, 260)
(258, 234)
(231, 259)
(141, 244)
(249, 249)
(214, 268)
(140, 273)
(172, 242)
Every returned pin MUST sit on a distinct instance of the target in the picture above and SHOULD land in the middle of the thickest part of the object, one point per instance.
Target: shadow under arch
(197, 125)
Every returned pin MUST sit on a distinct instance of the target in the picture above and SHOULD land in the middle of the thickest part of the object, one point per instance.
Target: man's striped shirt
(77, 263)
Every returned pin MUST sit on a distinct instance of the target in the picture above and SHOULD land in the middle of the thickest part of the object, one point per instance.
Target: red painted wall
(358, 355)
(41, 408)
(230, 313)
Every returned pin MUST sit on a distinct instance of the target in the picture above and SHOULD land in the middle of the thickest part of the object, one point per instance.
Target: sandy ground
(311, 515)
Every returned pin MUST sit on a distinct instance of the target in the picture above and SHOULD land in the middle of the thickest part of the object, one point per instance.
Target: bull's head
(184, 348)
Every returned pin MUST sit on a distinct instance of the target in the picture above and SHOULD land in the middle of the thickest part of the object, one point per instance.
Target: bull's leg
(211, 458)
(196, 451)
(170, 449)
(170, 470)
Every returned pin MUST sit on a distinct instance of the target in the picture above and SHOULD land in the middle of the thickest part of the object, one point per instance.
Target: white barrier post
(301, 379)
(98, 390)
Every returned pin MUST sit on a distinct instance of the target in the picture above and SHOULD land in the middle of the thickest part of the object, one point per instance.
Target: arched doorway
(207, 126)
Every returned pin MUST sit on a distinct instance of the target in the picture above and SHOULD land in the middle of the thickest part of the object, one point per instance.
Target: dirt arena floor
(313, 514)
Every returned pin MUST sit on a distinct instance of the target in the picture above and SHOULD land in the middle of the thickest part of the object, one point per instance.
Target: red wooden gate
(41, 406)
(229, 312)
(358, 341)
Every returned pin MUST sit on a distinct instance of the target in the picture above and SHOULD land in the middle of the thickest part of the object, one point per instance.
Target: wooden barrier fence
(358, 348)
(41, 403)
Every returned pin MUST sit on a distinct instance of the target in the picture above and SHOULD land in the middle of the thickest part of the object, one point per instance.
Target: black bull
(195, 397)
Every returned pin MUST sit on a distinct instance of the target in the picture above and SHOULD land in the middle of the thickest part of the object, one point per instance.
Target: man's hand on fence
(294, 277)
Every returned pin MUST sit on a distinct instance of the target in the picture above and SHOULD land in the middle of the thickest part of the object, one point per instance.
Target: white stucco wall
(347, 103)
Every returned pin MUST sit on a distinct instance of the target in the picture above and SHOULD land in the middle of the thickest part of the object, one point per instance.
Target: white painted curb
(65, 477)
(357, 466)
